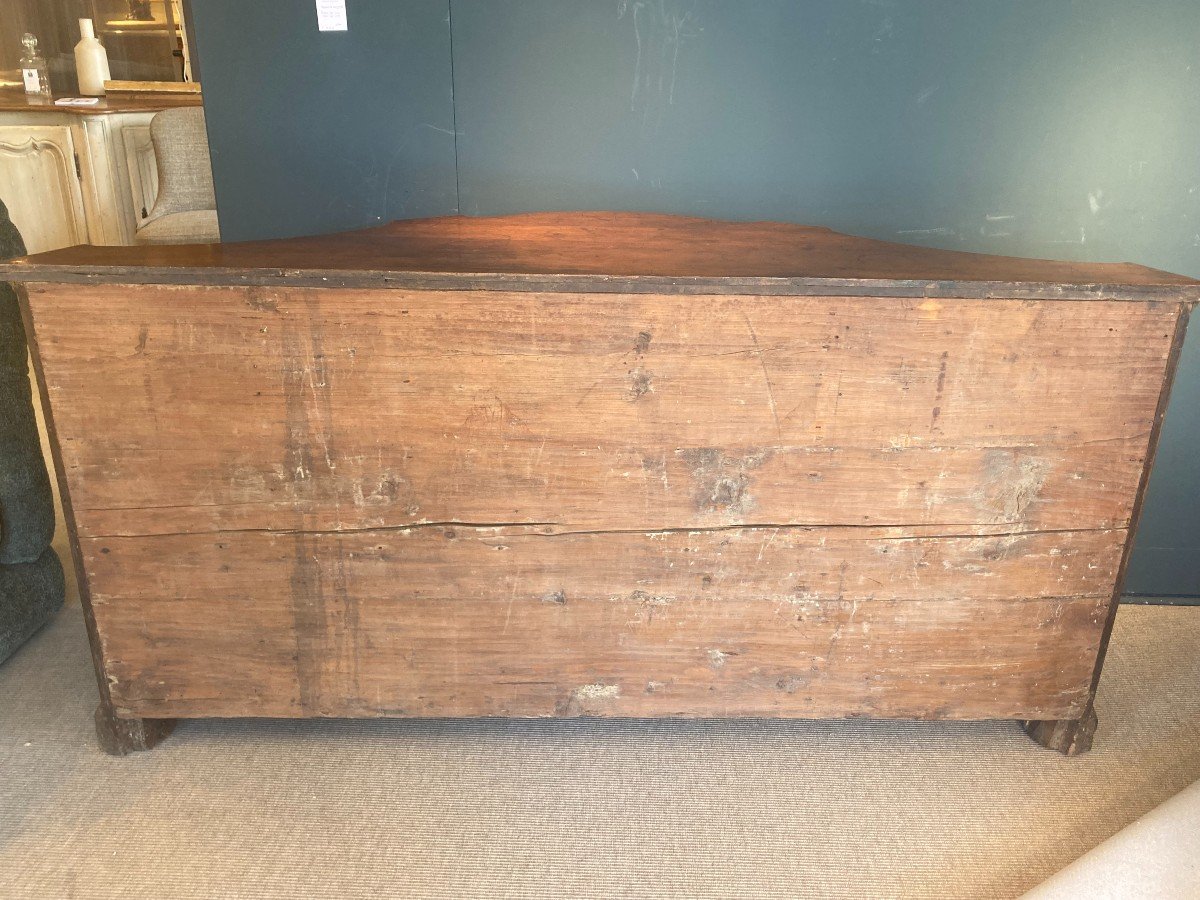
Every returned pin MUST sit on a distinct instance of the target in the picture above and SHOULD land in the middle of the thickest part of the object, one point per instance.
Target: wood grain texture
(139, 89)
(603, 252)
(327, 410)
(341, 502)
(1074, 736)
(564, 486)
(505, 621)
(117, 736)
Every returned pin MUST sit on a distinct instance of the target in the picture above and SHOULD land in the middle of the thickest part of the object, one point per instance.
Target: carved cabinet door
(40, 183)
(143, 169)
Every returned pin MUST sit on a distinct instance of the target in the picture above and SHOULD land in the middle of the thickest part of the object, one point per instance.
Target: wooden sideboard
(78, 175)
(599, 464)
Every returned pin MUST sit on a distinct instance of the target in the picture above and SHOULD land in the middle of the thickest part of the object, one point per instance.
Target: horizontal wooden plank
(20, 271)
(330, 409)
(502, 621)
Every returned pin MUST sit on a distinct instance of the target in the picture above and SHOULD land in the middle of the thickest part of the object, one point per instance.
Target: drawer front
(901, 507)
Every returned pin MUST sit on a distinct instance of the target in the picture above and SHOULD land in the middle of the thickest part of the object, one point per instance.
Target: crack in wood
(696, 529)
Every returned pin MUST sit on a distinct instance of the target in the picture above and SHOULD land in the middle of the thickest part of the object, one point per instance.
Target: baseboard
(1159, 600)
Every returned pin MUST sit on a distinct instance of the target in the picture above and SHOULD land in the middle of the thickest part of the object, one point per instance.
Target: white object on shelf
(34, 72)
(91, 61)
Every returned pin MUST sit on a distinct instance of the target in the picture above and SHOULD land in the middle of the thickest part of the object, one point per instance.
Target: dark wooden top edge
(599, 284)
(15, 101)
(603, 252)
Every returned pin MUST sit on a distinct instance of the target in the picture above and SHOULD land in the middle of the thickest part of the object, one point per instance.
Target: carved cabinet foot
(1068, 736)
(119, 737)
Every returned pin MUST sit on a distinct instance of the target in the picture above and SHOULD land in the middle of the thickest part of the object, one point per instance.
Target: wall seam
(454, 107)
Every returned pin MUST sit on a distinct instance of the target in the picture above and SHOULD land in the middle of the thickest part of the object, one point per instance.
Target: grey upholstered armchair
(185, 211)
(31, 577)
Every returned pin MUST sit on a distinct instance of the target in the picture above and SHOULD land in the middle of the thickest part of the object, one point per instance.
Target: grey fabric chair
(185, 211)
(31, 576)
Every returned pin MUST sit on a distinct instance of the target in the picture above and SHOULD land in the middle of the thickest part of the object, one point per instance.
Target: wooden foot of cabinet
(120, 737)
(1068, 736)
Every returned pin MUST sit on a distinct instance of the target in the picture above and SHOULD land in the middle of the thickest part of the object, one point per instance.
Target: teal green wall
(1027, 127)
(315, 132)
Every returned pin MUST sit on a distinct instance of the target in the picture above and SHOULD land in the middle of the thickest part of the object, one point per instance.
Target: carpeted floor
(580, 808)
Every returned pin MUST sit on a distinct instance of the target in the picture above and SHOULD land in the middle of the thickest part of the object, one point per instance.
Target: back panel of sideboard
(352, 502)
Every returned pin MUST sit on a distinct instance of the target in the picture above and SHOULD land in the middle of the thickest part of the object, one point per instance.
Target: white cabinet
(143, 169)
(76, 176)
(41, 185)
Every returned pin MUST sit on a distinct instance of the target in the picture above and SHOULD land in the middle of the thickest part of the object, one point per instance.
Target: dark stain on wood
(261, 301)
(641, 383)
(940, 389)
(723, 482)
(310, 622)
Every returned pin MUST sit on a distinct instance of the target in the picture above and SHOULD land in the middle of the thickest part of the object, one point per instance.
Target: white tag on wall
(331, 15)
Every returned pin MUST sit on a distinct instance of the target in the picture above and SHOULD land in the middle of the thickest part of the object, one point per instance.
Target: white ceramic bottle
(91, 61)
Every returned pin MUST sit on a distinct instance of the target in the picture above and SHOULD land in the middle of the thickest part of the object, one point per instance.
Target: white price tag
(331, 15)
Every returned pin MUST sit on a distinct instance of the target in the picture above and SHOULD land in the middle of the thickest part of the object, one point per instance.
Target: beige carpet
(583, 808)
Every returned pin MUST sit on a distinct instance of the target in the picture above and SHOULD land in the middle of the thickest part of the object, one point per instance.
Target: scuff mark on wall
(660, 29)
(926, 94)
